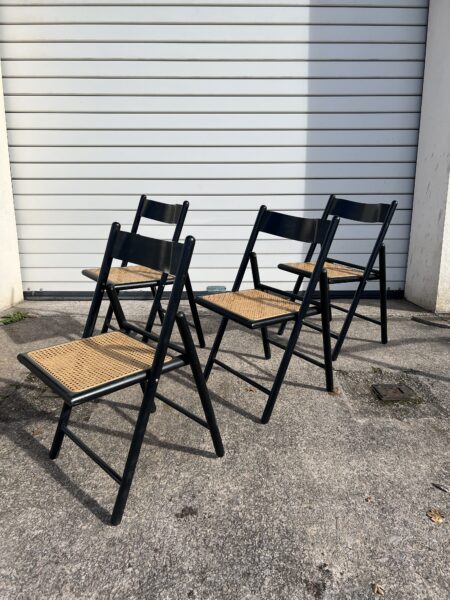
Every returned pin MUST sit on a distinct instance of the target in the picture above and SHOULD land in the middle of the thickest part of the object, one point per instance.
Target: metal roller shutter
(227, 104)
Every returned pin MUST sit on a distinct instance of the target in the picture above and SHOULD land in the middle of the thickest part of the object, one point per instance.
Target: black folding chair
(340, 271)
(263, 305)
(137, 277)
(94, 366)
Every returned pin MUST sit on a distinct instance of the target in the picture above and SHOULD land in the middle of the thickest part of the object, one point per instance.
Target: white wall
(10, 281)
(229, 105)
(428, 274)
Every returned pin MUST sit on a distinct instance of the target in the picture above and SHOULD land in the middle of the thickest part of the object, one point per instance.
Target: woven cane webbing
(87, 363)
(254, 305)
(126, 275)
(334, 270)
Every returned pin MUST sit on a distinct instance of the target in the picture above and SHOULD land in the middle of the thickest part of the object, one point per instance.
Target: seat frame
(168, 257)
(299, 229)
(361, 213)
(171, 214)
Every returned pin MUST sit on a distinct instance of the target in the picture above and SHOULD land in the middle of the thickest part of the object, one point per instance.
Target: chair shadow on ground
(37, 328)
(13, 424)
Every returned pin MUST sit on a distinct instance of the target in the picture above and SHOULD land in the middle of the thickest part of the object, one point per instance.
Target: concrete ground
(328, 499)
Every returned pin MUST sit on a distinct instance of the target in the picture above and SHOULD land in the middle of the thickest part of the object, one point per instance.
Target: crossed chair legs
(150, 392)
(289, 350)
(156, 309)
(351, 312)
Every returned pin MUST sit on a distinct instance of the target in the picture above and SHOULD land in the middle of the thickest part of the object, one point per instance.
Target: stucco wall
(10, 280)
(428, 274)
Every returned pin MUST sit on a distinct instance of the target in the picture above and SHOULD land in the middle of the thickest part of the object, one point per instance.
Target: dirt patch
(357, 387)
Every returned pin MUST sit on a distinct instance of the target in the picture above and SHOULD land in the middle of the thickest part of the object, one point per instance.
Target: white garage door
(228, 104)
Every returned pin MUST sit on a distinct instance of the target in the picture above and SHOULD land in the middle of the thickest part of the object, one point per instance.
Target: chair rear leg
(194, 312)
(282, 369)
(266, 344)
(383, 295)
(59, 433)
(133, 453)
(215, 348)
(326, 337)
(201, 384)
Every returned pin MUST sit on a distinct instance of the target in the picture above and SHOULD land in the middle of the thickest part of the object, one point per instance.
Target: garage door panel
(202, 121)
(204, 218)
(212, 171)
(153, 50)
(220, 87)
(251, 69)
(225, 186)
(124, 202)
(269, 247)
(228, 106)
(215, 14)
(212, 33)
(250, 138)
(211, 104)
(198, 155)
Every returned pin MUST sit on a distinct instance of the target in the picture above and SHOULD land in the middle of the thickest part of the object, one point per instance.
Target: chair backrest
(313, 231)
(171, 214)
(361, 212)
(161, 255)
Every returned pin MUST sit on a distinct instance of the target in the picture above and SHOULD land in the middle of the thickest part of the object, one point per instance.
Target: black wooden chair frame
(299, 229)
(168, 257)
(171, 214)
(361, 213)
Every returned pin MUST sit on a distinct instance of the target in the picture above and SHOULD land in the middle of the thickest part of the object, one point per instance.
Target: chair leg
(279, 378)
(133, 453)
(266, 344)
(215, 348)
(295, 291)
(383, 295)
(201, 385)
(93, 312)
(326, 337)
(157, 304)
(107, 321)
(156, 308)
(348, 319)
(59, 433)
(194, 312)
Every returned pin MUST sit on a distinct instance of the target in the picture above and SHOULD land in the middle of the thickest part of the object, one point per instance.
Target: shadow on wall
(360, 111)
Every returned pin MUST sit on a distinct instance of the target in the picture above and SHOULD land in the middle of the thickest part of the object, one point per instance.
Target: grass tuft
(14, 317)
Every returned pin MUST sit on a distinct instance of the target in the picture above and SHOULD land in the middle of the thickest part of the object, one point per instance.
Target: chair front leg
(59, 433)
(200, 382)
(156, 307)
(266, 343)
(107, 321)
(194, 312)
(157, 304)
(295, 291)
(215, 348)
(326, 337)
(93, 312)
(282, 369)
(348, 319)
(383, 295)
(134, 451)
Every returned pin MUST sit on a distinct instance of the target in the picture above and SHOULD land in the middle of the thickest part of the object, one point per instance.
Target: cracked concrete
(327, 499)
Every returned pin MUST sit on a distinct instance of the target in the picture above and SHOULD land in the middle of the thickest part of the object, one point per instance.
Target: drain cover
(388, 392)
